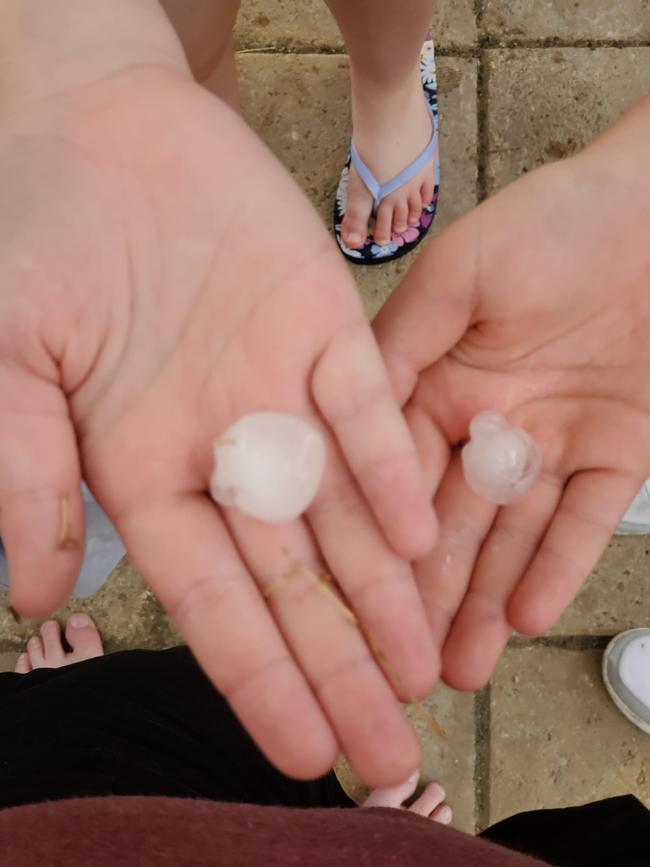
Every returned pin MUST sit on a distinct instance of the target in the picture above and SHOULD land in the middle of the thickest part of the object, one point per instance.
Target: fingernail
(354, 238)
(79, 621)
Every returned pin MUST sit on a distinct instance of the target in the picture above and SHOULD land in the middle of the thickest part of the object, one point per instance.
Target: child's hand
(162, 276)
(536, 304)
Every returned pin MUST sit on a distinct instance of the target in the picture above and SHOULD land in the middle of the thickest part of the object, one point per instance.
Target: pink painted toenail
(79, 621)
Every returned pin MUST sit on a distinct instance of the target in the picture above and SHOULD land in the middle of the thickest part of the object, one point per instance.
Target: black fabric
(612, 833)
(150, 723)
(135, 723)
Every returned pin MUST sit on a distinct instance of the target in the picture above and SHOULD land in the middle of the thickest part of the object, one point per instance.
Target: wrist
(48, 48)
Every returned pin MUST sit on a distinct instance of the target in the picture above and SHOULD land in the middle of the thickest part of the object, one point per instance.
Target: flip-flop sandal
(626, 672)
(404, 242)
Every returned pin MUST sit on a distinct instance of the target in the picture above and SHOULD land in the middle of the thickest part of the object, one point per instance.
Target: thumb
(433, 306)
(41, 508)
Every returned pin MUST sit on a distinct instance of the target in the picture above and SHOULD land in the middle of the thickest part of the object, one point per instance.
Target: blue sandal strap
(381, 191)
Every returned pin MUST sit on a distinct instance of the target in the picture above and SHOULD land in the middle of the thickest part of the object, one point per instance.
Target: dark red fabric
(166, 832)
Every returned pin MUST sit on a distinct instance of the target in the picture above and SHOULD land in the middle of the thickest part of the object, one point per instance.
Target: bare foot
(430, 804)
(46, 650)
(391, 129)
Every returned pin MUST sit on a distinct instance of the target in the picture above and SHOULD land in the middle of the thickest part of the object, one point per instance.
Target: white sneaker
(636, 521)
(626, 672)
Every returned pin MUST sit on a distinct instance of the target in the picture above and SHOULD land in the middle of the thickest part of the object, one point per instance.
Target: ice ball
(268, 465)
(501, 462)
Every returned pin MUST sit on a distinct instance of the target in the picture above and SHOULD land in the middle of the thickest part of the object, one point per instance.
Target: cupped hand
(536, 304)
(161, 277)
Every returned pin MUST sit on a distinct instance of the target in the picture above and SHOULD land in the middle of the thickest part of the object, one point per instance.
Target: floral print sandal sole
(404, 242)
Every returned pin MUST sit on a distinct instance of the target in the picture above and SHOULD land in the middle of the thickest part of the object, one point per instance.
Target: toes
(395, 795)
(35, 652)
(427, 191)
(23, 665)
(384, 224)
(430, 799)
(354, 228)
(443, 815)
(414, 208)
(83, 637)
(400, 217)
(51, 640)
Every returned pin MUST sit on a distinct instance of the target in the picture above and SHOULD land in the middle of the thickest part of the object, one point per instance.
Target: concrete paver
(557, 19)
(615, 597)
(8, 660)
(300, 106)
(126, 611)
(449, 762)
(546, 104)
(287, 25)
(556, 738)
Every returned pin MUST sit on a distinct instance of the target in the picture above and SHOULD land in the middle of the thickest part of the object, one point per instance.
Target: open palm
(161, 277)
(536, 304)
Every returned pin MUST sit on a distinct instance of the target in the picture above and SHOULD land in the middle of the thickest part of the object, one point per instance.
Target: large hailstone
(501, 462)
(268, 465)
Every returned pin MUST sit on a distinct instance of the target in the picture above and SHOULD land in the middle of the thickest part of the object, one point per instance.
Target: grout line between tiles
(562, 642)
(483, 43)
(482, 753)
(482, 109)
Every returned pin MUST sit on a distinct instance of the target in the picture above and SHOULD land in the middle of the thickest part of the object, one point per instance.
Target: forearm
(48, 46)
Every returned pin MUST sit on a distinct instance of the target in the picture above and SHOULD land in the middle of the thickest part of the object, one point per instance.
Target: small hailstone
(268, 465)
(501, 462)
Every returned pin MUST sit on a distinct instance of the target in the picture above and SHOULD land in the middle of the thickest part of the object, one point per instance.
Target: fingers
(592, 506)
(379, 585)
(352, 391)
(432, 308)
(443, 576)
(481, 627)
(185, 552)
(331, 651)
(41, 508)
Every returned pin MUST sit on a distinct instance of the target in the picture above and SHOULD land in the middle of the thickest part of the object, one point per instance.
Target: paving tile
(127, 614)
(557, 19)
(300, 107)
(449, 762)
(615, 597)
(556, 738)
(546, 104)
(8, 660)
(286, 24)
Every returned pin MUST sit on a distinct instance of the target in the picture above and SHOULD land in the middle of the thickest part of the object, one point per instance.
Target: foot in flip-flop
(399, 129)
